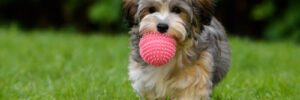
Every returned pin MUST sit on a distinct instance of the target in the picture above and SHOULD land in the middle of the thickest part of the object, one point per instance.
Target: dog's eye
(152, 10)
(176, 10)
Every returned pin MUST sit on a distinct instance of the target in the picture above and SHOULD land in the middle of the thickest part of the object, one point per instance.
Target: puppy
(202, 54)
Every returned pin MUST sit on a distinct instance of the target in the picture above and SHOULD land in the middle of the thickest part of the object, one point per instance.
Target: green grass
(43, 65)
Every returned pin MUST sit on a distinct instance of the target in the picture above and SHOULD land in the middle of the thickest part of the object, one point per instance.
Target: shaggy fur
(202, 56)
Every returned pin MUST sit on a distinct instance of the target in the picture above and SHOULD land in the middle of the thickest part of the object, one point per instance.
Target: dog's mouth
(178, 36)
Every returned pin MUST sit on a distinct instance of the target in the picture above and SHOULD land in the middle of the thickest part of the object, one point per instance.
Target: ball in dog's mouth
(157, 49)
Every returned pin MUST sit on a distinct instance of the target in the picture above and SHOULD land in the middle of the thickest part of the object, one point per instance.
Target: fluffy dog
(202, 56)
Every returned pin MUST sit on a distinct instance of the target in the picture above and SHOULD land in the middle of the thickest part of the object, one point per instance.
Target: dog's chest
(151, 79)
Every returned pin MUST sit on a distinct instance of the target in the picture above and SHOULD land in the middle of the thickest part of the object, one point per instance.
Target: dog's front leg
(147, 96)
(197, 81)
(194, 94)
(150, 96)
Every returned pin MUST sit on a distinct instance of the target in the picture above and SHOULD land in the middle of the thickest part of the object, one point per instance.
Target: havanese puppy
(202, 53)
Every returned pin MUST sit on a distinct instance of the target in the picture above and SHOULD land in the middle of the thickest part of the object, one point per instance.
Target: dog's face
(179, 18)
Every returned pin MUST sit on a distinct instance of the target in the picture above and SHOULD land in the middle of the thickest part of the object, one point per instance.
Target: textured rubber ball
(157, 49)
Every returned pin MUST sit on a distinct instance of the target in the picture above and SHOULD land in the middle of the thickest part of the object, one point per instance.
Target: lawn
(43, 65)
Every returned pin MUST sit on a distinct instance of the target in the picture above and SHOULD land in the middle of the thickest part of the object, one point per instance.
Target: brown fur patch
(193, 82)
(129, 10)
(204, 9)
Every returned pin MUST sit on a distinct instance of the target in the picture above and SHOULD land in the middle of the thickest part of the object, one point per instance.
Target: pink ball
(157, 49)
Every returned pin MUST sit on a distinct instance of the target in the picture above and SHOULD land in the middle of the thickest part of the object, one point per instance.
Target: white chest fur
(150, 78)
(172, 78)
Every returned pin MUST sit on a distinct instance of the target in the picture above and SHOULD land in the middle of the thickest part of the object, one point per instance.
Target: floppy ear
(129, 10)
(204, 9)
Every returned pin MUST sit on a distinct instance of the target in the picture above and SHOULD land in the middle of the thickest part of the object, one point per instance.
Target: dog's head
(179, 18)
(182, 19)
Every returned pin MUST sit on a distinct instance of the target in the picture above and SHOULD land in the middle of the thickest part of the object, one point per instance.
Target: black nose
(162, 27)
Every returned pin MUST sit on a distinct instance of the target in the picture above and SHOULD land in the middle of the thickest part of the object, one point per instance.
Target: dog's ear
(129, 11)
(204, 9)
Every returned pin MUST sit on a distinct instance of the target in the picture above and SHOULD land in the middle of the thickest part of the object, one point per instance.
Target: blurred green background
(266, 19)
(78, 50)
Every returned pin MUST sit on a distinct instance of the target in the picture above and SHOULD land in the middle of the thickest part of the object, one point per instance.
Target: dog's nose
(162, 27)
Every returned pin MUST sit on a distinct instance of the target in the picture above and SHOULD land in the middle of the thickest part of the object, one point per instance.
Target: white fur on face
(163, 14)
